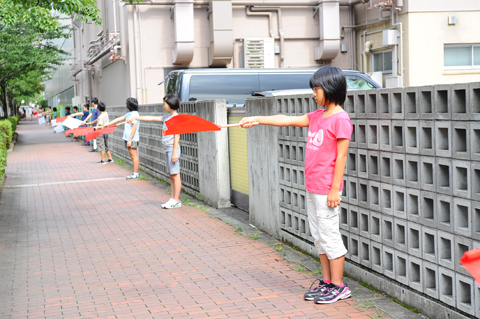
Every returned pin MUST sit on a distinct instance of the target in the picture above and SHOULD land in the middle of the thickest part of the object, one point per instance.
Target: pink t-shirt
(321, 153)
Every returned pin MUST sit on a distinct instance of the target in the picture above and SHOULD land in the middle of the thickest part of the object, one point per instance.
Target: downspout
(366, 50)
(401, 44)
(136, 39)
(123, 33)
(280, 31)
(144, 87)
(261, 14)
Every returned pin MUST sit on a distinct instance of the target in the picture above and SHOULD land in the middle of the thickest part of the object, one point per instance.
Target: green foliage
(300, 268)
(239, 228)
(318, 271)
(143, 178)
(6, 135)
(6, 129)
(13, 120)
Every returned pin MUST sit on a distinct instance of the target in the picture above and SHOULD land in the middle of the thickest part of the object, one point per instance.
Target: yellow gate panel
(237, 139)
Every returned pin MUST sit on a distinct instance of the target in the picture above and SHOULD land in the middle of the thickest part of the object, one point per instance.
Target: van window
(357, 83)
(171, 85)
(234, 88)
(271, 82)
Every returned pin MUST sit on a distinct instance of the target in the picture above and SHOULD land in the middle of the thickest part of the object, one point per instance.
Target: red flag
(61, 119)
(95, 134)
(184, 123)
(68, 132)
(82, 131)
(471, 262)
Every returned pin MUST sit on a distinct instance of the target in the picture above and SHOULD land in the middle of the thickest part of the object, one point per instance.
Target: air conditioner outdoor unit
(77, 101)
(259, 53)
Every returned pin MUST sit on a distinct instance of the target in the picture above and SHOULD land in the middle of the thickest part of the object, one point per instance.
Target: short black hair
(333, 83)
(54, 109)
(75, 108)
(86, 105)
(95, 100)
(172, 100)
(132, 104)
(67, 108)
(101, 107)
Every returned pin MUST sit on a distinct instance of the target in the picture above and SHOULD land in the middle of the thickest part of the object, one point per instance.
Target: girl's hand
(129, 144)
(174, 158)
(248, 122)
(333, 198)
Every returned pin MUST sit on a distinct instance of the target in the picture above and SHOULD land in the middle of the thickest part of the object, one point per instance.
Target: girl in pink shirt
(329, 132)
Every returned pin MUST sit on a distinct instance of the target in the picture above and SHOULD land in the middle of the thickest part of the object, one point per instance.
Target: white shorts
(324, 225)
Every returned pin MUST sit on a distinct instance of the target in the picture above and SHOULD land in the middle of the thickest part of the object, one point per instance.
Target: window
(462, 56)
(382, 61)
(357, 83)
(234, 88)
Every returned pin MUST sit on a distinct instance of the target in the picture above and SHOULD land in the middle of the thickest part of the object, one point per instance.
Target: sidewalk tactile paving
(107, 249)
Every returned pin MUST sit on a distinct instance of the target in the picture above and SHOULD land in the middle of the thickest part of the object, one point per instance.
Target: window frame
(461, 67)
(389, 72)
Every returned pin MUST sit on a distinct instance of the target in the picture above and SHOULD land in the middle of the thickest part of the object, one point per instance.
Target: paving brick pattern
(107, 249)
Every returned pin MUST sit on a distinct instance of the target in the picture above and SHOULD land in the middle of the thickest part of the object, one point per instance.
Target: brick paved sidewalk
(107, 249)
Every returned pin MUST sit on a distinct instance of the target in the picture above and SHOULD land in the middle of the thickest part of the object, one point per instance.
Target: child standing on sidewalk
(329, 132)
(130, 134)
(171, 103)
(102, 140)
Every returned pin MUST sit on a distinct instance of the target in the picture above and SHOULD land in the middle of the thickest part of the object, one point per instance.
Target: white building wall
(151, 41)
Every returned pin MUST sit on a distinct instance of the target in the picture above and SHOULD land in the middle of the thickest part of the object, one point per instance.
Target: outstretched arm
(75, 114)
(118, 119)
(275, 120)
(145, 118)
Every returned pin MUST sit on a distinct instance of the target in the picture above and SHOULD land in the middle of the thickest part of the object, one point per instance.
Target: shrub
(14, 121)
(7, 128)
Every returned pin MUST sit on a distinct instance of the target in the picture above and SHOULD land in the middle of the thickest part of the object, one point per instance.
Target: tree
(39, 11)
(26, 49)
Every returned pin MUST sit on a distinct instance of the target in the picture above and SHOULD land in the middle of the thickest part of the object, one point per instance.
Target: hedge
(7, 129)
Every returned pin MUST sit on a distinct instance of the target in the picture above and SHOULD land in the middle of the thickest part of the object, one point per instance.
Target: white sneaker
(173, 204)
(167, 202)
(133, 176)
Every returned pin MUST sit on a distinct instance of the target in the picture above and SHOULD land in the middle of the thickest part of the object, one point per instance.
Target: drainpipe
(401, 43)
(280, 31)
(220, 52)
(123, 33)
(136, 38)
(366, 50)
(261, 14)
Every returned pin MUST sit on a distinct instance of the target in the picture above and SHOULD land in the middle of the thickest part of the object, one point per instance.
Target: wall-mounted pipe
(220, 52)
(366, 50)
(122, 29)
(184, 32)
(280, 31)
(262, 14)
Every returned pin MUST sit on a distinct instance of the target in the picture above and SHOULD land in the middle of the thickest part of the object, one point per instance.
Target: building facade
(397, 42)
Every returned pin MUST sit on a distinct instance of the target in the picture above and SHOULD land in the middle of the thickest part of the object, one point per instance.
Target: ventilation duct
(220, 52)
(329, 19)
(184, 34)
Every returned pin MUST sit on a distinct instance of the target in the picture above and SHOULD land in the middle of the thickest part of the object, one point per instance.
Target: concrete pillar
(213, 159)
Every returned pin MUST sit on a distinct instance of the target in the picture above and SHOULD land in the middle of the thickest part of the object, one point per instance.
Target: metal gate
(237, 144)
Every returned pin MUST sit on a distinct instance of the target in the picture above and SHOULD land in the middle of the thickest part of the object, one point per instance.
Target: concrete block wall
(411, 201)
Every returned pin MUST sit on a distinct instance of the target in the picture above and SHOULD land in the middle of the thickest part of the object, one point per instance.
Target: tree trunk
(3, 97)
